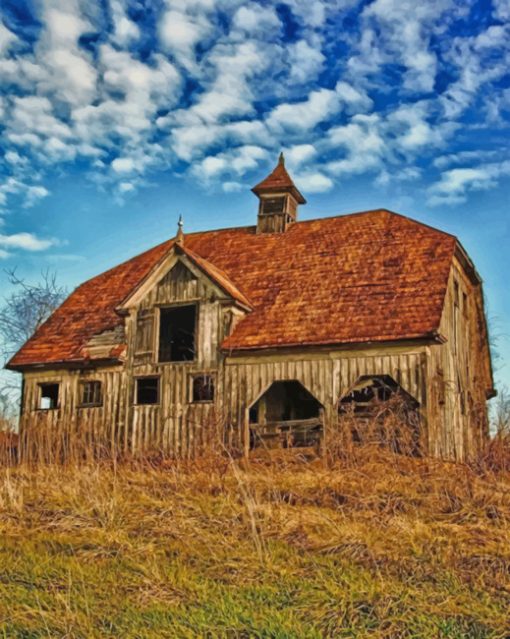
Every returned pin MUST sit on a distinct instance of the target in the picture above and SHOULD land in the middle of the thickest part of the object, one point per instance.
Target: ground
(378, 547)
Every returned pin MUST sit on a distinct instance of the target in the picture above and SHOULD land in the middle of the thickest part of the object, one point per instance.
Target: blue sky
(118, 115)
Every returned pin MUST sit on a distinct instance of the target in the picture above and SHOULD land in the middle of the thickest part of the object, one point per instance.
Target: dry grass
(374, 546)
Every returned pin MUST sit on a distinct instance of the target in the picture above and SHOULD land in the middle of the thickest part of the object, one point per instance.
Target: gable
(195, 278)
(374, 276)
(178, 284)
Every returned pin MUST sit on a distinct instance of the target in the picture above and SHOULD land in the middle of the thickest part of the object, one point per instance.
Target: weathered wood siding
(52, 433)
(459, 374)
(327, 375)
(448, 380)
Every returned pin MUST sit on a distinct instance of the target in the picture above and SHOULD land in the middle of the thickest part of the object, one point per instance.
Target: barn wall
(449, 381)
(459, 372)
(182, 428)
(327, 375)
(52, 433)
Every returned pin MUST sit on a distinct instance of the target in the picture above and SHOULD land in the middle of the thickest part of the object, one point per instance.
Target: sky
(117, 116)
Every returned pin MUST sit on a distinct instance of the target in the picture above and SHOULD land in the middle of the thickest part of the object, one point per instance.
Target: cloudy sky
(117, 115)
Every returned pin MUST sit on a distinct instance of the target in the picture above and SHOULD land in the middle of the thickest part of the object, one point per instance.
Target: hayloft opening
(286, 415)
(49, 396)
(377, 410)
(177, 333)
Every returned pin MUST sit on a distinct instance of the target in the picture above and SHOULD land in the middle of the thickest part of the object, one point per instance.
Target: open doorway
(377, 410)
(286, 415)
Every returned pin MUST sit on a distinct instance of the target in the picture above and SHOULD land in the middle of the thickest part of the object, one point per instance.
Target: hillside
(392, 547)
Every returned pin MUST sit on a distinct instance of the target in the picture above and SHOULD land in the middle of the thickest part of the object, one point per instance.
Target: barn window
(49, 396)
(91, 393)
(147, 390)
(465, 304)
(273, 205)
(202, 388)
(177, 333)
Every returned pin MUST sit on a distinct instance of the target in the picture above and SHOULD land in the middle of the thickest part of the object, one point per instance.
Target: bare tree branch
(27, 308)
(24, 310)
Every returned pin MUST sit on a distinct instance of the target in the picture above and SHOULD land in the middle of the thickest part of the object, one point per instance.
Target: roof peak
(277, 181)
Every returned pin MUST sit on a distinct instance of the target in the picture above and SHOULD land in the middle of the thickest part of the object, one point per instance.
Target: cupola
(278, 200)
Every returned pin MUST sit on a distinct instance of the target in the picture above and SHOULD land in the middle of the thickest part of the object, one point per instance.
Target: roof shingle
(367, 277)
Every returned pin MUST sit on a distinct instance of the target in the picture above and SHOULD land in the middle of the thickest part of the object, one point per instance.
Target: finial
(179, 238)
(281, 159)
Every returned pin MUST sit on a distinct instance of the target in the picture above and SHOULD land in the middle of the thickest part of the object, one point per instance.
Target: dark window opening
(177, 330)
(49, 396)
(254, 414)
(203, 388)
(273, 205)
(465, 304)
(91, 394)
(147, 390)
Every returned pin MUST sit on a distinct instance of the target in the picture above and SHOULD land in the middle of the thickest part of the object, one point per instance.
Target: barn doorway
(286, 415)
(377, 410)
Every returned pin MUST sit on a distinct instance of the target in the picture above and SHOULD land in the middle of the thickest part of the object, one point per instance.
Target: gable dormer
(278, 200)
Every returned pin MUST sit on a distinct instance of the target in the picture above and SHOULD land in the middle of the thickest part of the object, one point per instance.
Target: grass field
(390, 547)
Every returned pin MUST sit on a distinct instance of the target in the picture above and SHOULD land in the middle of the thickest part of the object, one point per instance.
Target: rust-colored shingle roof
(367, 277)
(216, 275)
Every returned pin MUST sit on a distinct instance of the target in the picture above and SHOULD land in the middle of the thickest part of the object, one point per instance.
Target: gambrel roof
(375, 276)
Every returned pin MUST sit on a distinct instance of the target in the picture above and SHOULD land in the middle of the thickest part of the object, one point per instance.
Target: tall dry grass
(377, 544)
(362, 542)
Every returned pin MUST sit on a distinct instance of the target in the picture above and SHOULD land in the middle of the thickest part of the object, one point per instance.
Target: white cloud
(123, 165)
(306, 61)
(13, 157)
(181, 31)
(312, 14)
(455, 184)
(315, 182)
(320, 106)
(7, 39)
(229, 94)
(25, 241)
(479, 61)
(233, 162)
(413, 130)
(34, 194)
(362, 142)
(400, 31)
(126, 187)
(299, 153)
(463, 157)
(69, 74)
(30, 193)
(89, 89)
(255, 20)
(501, 9)
(232, 187)
(125, 30)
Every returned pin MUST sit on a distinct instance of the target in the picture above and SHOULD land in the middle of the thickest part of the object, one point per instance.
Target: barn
(271, 335)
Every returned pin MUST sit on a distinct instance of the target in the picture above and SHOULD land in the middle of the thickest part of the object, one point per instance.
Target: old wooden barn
(268, 335)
